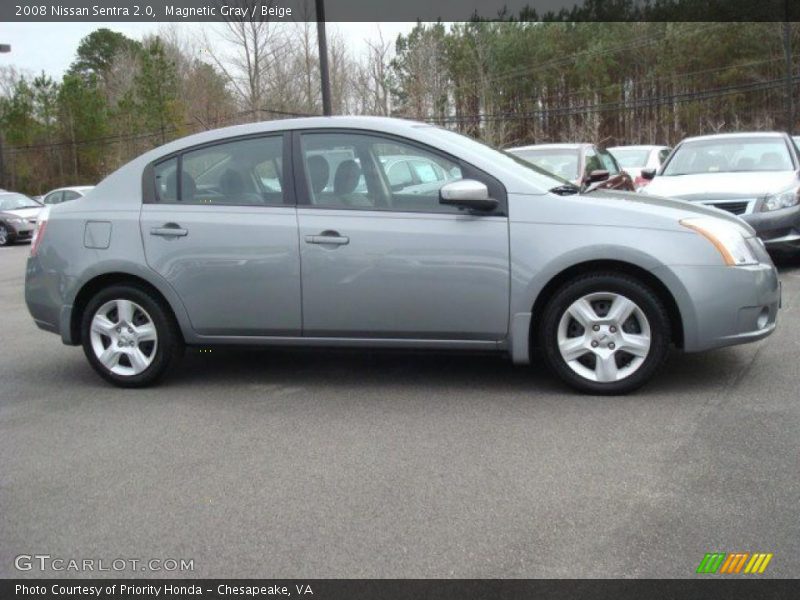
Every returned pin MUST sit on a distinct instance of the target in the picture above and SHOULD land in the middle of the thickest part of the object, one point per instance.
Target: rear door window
(54, 198)
(244, 172)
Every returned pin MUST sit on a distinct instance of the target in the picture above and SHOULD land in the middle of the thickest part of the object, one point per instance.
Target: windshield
(562, 162)
(540, 177)
(16, 201)
(630, 158)
(730, 155)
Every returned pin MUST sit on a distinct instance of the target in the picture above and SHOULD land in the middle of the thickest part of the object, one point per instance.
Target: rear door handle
(328, 237)
(169, 230)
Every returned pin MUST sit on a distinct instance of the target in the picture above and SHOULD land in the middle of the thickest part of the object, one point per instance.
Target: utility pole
(324, 75)
(3, 48)
(787, 50)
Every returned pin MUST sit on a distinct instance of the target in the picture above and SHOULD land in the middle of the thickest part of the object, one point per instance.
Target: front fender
(542, 252)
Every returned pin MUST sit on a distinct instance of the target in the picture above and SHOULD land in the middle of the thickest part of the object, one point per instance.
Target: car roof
(744, 134)
(564, 146)
(638, 147)
(73, 188)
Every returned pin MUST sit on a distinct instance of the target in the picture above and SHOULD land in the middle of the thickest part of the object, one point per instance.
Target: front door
(223, 232)
(381, 258)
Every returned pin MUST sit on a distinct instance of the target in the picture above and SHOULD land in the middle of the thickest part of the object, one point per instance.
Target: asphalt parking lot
(361, 464)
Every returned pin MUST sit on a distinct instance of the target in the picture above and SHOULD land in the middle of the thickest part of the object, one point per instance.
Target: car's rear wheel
(605, 333)
(5, 239)
(129, 337)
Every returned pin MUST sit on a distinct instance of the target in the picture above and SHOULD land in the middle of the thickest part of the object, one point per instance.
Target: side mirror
(467, 194)
(648, 174)
(596, 176)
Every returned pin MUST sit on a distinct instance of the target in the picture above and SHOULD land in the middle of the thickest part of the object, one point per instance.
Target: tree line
(505, 82)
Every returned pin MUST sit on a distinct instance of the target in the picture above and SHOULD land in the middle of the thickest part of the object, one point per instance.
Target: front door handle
(169, 230)
(332, 238)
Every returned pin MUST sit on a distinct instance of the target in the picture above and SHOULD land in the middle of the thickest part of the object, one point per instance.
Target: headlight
(727, 238)
(783, 199)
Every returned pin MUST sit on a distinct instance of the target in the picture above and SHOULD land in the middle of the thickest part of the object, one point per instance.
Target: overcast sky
(51, 46)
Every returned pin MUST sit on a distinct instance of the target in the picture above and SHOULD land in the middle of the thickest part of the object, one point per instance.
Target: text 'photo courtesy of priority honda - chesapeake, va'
(356, 299)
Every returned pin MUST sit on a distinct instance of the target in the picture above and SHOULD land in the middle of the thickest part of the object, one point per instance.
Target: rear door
(220, 225)
(382, 258)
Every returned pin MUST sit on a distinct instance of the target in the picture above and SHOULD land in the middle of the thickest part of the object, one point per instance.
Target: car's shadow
(785, 262)
(225, 368)
(491, 373)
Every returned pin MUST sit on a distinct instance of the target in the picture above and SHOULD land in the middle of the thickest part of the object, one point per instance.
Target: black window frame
(150, 191)
(591, 153)
(468, 171)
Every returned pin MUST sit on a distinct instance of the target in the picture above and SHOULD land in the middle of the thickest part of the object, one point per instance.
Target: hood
(672, 209)
(711, 186)
(25, 213)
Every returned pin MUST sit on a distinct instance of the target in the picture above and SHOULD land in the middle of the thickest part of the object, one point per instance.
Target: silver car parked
(753, 175)
(187, 245)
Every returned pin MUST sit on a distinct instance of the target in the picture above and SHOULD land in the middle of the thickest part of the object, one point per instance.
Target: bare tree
(9, 76)
(257, 48)
(371, 80)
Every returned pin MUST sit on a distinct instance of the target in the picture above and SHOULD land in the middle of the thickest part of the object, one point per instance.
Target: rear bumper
(724, 306)
(43, 301)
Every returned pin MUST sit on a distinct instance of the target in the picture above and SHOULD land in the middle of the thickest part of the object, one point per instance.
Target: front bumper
(779, 229)
(23, 235)
(19, 232)
(724, 306)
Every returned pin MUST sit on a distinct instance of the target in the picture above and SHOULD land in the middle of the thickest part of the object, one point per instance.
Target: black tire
(613, 283)
(168, 350)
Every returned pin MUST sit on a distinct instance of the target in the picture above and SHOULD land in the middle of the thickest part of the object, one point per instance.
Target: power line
(561, 96)
(149, 134)
(647, 102)
(637, 43)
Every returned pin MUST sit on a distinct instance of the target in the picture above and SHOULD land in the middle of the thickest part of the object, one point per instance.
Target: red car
(581, 164)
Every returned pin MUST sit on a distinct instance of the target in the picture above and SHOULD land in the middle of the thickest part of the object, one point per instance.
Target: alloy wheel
(123, 337)
(604, 337)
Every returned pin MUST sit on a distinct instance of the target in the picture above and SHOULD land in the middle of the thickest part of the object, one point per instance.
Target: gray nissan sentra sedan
(291, 233)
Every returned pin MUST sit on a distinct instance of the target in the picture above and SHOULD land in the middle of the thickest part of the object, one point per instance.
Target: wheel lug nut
(119, 329)
(130, 329)
(594, 344)
(596, 327)
(611, 346)
(612, 329)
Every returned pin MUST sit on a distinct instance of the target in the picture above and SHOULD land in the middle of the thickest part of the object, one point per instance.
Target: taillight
(38, 234)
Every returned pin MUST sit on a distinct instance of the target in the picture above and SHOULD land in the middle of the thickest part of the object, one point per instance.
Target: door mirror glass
(648, 174)
(467, 194)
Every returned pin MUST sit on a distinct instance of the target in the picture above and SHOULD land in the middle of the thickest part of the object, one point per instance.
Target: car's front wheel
(5, 237)
(129, 337)
(605, 333)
